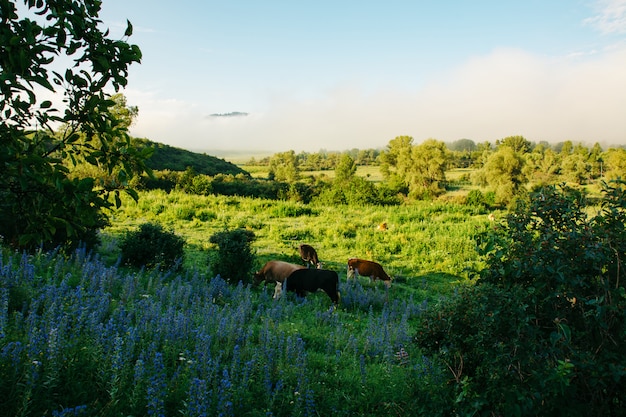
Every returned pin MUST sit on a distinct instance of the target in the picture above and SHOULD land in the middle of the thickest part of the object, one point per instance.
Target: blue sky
(336, 75)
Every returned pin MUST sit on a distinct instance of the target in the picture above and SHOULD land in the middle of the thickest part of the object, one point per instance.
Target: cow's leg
(278, 290)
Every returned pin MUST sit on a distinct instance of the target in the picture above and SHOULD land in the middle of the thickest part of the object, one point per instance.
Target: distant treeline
(497, 172)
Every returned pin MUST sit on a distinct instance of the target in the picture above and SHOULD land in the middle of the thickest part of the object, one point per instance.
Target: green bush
(543, 330)
(234, 258)
(476, 198)
(151, 246)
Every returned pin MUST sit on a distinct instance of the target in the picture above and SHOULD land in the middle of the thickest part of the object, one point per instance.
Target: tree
(346, 168)
(284, 167)
(518, 143)
(41, 204)
(615, 163)
(503, 172)
(396, 162)
(427, 175)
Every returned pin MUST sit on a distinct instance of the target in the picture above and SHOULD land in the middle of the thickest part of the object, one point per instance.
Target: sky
(343, 74)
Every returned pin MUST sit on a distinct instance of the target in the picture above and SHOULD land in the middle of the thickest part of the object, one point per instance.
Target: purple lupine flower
(224, 397)
(198, 400)
(157, 387)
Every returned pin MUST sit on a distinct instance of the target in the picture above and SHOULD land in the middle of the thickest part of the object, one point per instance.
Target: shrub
(234, 258)
(476, 198)
(543, 330)
(150, 246)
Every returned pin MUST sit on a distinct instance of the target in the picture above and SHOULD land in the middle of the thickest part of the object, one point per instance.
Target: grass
(424, 240)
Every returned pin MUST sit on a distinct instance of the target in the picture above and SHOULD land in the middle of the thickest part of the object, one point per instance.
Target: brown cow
(368, 269)
(309, 256)
(275, 271)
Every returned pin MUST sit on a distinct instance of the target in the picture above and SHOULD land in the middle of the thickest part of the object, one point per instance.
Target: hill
(177, 159)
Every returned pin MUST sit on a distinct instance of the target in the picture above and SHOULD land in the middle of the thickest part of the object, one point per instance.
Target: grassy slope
(176, 159)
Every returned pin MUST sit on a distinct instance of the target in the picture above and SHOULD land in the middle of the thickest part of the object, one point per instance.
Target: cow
(275, 271)
(368, 269)
(382, 227)
(305, 280)
(309, 256)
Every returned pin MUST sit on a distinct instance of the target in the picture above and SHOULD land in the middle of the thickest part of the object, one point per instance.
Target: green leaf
(129, 28)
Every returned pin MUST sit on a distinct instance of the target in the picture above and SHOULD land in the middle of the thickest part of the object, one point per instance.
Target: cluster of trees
(322, 160)
(506, 168)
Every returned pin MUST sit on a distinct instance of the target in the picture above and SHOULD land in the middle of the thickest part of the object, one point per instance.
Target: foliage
(93, 340)
(152, 246)
(542, 331)
(615, 163)
(41, 204)
(284, 167)
(476, 198)
(518, 144)
(427, 176)
(503, 172)
(234, 259)
(346, 168)
(415, 170)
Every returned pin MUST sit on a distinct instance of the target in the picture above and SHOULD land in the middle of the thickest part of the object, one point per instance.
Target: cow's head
(257, 278)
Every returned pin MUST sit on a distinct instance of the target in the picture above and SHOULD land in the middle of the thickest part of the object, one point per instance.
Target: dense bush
(150, 246)
(234, 258)
(543, 330)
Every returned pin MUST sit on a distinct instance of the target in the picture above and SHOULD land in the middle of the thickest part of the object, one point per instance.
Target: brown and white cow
(366, 268)
(275, 271)
(309, 256)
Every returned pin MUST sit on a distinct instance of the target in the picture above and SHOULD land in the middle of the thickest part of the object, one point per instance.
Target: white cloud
(507, 92)
(610, 17)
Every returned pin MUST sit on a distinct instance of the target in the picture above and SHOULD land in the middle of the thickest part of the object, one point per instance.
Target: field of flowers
(83, 335)
(78, 337)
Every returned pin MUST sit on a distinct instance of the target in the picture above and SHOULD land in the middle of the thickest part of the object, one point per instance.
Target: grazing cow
(368, 269)
(382, 227)
(303, 281)
(309, 256)
(275, 271)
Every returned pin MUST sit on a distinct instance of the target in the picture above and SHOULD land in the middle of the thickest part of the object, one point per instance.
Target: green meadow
(426, 240)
